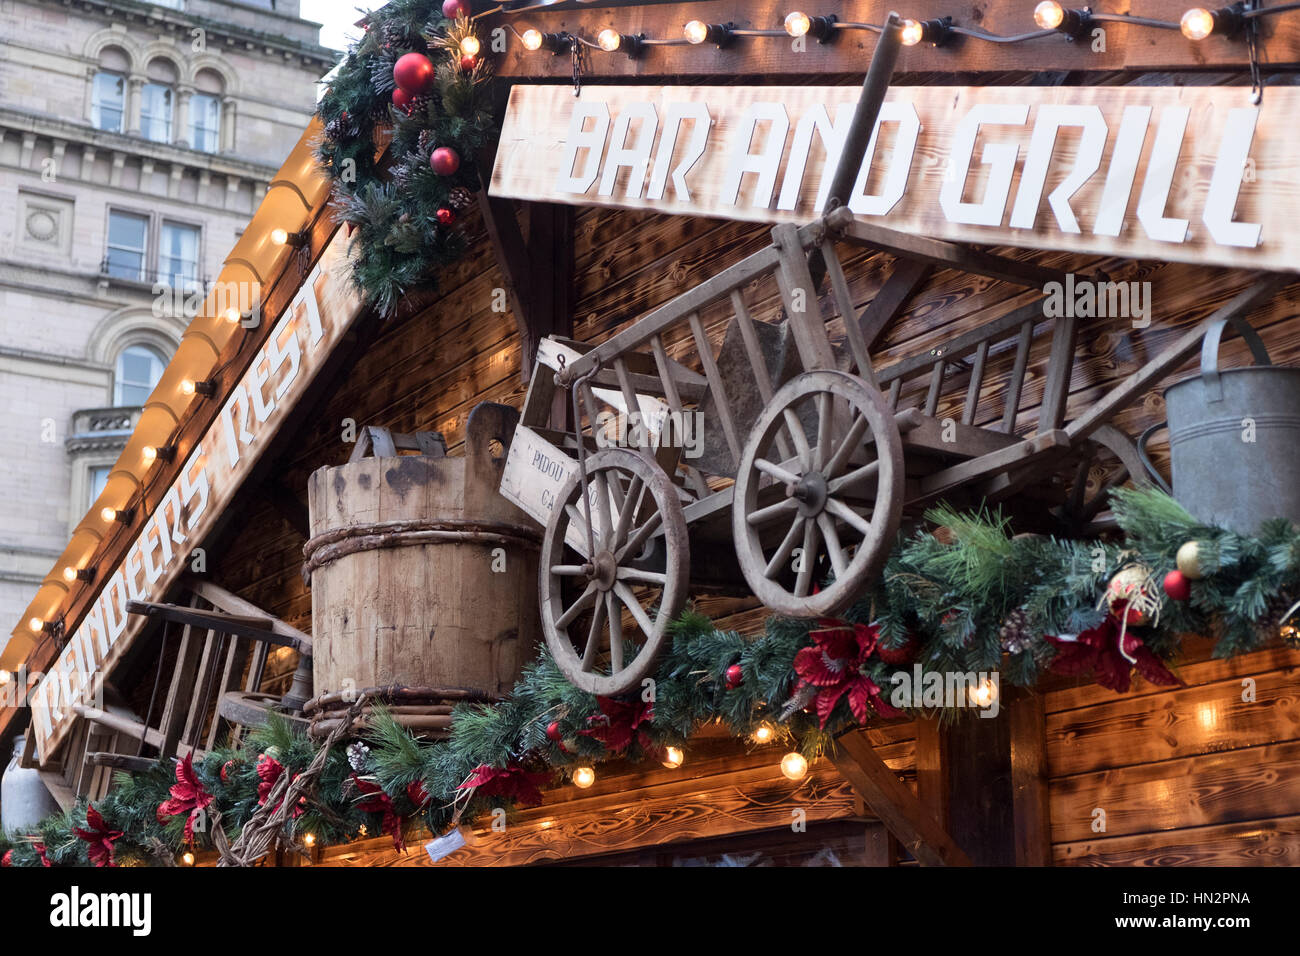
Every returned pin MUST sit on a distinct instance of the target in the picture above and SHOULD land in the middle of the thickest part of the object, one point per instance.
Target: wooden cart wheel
(1108, 459)
(253, 710)
(599, 610)
(822, 471)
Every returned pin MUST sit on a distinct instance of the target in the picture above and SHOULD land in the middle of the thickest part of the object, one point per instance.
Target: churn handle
(1210, 353)
(1146, 460)
(488, 421)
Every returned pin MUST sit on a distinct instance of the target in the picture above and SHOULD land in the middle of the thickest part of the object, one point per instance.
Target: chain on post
(576, 50)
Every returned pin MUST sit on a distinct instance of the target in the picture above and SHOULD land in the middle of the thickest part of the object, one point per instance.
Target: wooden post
(1032, 807)
(979, 788)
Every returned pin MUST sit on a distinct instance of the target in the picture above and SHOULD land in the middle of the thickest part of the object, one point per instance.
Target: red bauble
(451, 9)
(414, 73)
(903, 654)
(403, 100)
(444, 161)
(735, 676)
(467, 64)
(446, 216)
(1178, 586)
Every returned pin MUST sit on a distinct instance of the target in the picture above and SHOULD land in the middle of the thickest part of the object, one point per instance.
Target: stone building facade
(136, 139)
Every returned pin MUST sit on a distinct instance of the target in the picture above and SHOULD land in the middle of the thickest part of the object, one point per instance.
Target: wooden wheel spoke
(579, 524)
(850, 441)
(615, 633)
(761, 516)
(641, 577)
(638, 612)
(795, 428)
(604, 521)
(833, 548)
(842, 511)
(787, 545)
(593, 635)
(628, 512)
(775, 471)
(578, 606)
(636, 541)
(803, 581)
(855, 477)
(825, 430)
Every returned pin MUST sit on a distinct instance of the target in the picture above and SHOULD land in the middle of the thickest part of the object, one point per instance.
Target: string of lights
(1051, 18)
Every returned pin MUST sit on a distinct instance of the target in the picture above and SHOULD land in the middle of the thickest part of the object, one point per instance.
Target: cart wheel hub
(811, 493)
(603, 570)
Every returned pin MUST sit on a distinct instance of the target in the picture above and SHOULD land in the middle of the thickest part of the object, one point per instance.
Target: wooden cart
(811, 456)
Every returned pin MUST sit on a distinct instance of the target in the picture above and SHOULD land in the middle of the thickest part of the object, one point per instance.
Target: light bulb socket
(936, 31)
(1228, 20)
(719, 34)
(207, 387)
(295, 240)
(557, 43)
(631, 44)
(1075, 23)
(80, 574)
(822, 29)
(162, 453)
(123, 515)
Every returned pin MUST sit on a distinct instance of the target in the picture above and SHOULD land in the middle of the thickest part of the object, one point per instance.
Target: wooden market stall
(951, 314)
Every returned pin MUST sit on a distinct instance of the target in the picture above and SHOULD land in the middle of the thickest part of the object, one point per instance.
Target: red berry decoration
(453, 9)
(403, 100)
(446, 216)
(553, 731)
(467, 64)
(903, 654)
(1178, 586)
(735, 676)
(444, 161)
(414, 73)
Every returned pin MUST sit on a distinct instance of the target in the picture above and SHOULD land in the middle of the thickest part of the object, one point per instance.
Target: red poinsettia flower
(40, 851)
(99, 837)
(268, 773)
(512, 782)
(832, 667)
(619, 723)
(416, 793)
(1097, 653)
(7, 859)
(377, 801)
(187, 796)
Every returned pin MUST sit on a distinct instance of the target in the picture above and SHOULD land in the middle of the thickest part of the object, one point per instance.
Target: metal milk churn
(1234, 438)
(24, 801)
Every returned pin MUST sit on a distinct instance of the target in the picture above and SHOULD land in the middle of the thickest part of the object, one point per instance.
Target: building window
(98, 478)
(178, 255)
(138, 370)
(127, 239)
(156, 112)
(108, 102)
(205, 122)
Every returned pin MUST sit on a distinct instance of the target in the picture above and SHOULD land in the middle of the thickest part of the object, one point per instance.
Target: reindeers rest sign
(1186, 174)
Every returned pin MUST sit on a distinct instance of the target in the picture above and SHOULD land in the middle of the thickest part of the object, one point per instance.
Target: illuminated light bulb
(187, 858)
(187, 386)
(309, 839)
(1049, 14)
(469, 45)
(697, 31)
(532, 39)
(1197, 23)
(279, 236)
(983, 694)
(913, 33)
(5, 677)
(794, 765)
(673, 757)
(232, 314)
(583, 777)
(36, 625)
(149, 454)
(108, 514)
(764, 733)
(609, 40)
(69, 574)
(798, 24)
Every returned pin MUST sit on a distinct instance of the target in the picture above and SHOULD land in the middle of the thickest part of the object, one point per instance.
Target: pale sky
(337, 17)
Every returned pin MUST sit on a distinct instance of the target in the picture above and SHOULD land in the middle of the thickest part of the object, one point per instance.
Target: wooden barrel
(421, 573)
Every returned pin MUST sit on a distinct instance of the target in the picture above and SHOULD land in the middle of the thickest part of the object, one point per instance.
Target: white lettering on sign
(1112, 170)
(320, 313)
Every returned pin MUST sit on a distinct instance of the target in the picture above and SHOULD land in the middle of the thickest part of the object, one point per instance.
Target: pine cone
(1270, 624)
(1014, 634)
(425, 143)
(460, 198)
(381, 74)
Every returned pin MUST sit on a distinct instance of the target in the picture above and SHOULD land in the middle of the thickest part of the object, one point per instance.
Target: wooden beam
(979, 789)
(121, 762)
(132, 728)
(908, 276)
(232, 603)
(63, 795)
(258, 628)
(181, 689)
(895, 805)
(1029, 790)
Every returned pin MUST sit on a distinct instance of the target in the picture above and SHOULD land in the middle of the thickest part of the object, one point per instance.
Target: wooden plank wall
(1195, 775)
(1190, 775)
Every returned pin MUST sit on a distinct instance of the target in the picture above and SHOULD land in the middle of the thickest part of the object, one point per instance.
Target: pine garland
(398, 243)
(942, 604)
